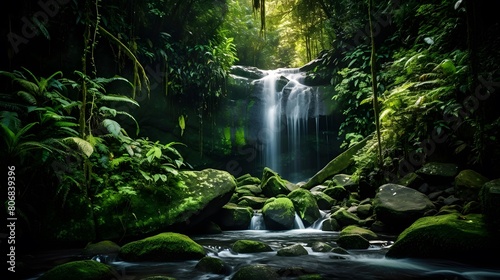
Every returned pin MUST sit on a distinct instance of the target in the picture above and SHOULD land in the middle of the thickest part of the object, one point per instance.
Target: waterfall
(297, 223)
(289, 106)
(257, 222)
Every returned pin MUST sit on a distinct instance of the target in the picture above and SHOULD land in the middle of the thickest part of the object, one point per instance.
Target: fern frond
(28, 97)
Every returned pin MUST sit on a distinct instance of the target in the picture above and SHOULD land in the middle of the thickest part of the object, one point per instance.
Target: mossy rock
(274, 186)
(353, 241)
(345, 218)
(292, 251)
(104, 247)
(319, 246)
(305, 205)
(167, 246)
(337, 192)
(468, 183)
(256, 271)
(213, 265)
(247, 179)
(490, 200)
(234, 217)
(279, 214)
(81, 270)
(157, 277)
(250, 246)
(452, 236)
(324, 201)
(352, 229)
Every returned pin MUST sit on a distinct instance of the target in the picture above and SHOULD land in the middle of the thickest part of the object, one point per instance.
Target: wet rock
(305, 205)
(292, 251)
(105, 247)
(398, 206)
(321, 247)
(353, 241)
(344, 218)
(234, 217)
(213, 265)
(256, 271)
(250, 246)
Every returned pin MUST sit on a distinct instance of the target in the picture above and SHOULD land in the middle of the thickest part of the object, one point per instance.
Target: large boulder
(345, 218)
(85, 270)
(279, 214)
(305, 205)
(196, 196)
(213, 265)
(451, 236)
(398, 206)
(163, 247)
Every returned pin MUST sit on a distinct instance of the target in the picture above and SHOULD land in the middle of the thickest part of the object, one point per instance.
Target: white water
(287, 111)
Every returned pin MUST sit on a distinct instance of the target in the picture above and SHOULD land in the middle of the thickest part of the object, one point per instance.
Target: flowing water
(293, 116)
(359, 264)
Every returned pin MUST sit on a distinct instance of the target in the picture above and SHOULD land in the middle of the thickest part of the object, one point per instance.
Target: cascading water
(289, 107)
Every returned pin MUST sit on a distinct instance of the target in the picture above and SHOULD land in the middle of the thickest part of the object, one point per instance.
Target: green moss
(450, 236)
(352, 229)
(250, 246)
(168, 246)
(81, 270)
(239, 136)
(212, 265)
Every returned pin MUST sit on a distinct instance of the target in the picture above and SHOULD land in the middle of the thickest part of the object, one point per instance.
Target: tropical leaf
(112, 126)
(84, 146)
(119, 98)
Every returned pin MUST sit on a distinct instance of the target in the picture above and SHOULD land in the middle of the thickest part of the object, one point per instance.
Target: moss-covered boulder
(248, 190)
(252, 201)
(468, 183)
(256, 271)
(324, 201)
(353, 241)
(398, 206)
(167, 246)
(345, 181)
(250, 246)
(81, 270)
(305, 206)
(247, 179)
(490, 201)
(177, 206)
(213, 265)
(274, 186)
(292, 251)
(345, 218)
(279, 214)
(452, 237)
(234, 217)
(366, 233)
(336, 192)
(105, 247)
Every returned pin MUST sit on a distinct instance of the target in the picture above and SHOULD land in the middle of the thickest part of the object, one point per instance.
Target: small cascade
(319, 222)
(257, 222)
(297, 223)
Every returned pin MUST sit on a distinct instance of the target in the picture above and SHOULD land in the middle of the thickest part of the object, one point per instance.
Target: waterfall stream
(290, 108)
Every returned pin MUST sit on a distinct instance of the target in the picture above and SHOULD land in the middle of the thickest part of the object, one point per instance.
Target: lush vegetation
(78, 74)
